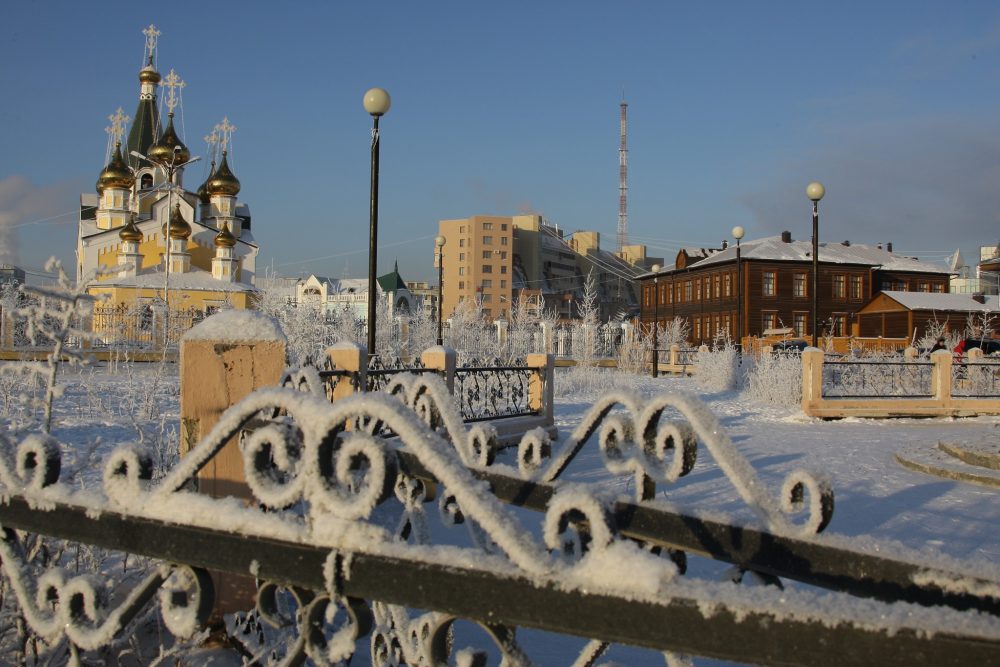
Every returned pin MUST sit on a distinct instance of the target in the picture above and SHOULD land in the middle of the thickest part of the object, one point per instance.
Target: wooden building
(776, 278)
(906, 314)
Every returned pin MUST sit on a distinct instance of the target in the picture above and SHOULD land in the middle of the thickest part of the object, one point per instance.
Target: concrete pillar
(501, 327)
(222, 360)
(941, 375)
(548, 332)
(675, 352)
(353, 359)
(444, 360)
(910, 353)
(812, 377)
(541, 387)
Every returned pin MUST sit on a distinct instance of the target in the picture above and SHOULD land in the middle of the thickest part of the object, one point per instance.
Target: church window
(146, 182)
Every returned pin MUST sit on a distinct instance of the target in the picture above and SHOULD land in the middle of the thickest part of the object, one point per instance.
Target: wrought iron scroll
(492, 391)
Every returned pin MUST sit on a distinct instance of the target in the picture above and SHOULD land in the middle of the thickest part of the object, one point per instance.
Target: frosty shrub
(935, 330)
(584, 330)
(774, 378)
(718, 368)
(633, 353)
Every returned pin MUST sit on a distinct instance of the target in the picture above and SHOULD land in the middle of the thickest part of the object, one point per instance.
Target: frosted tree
(525, 323)
(979, 326)
(54, 317)
(585, 328)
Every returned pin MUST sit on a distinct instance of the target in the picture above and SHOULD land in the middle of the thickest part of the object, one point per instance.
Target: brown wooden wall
(784, 304)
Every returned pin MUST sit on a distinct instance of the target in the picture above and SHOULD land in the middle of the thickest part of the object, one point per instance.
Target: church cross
(225, 130)
(173, 84)
(151, 34)
(118, 122)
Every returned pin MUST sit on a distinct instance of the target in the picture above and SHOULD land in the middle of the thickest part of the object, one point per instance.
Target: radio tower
(623, 181)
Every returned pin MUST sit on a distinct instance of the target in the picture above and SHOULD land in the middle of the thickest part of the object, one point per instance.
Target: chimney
(979, 297)
(786, 237)
(846, 243)
(888, 246)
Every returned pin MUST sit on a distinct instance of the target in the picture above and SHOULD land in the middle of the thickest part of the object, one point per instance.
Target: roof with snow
(937, 301)
(772, 248)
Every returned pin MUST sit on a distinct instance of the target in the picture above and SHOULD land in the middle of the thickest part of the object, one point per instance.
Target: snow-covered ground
(878, 502)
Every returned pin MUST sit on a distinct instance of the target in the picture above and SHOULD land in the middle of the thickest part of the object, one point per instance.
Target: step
(984, 453)
(933, 461)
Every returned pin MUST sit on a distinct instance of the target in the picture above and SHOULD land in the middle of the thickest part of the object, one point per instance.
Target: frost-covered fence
(898, 388)
(517, 397)
(390, 551)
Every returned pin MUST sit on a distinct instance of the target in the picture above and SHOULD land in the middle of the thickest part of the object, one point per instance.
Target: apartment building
(478, 263)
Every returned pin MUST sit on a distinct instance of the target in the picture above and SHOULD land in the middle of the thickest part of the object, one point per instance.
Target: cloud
(929, 184)
(27, 213)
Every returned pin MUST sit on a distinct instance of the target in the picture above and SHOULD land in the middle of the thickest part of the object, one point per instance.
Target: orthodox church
(144, 240)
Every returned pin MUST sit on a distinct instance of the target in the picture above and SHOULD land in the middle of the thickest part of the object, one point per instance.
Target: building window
(716, 286)
(461, 270)
(487, 298)
(688, 290)
(487, 284)
(668, 291)
(839, 324)
(727, 324)
(856, 285)
(487, 254)
(503, 254)
(503, 226)
(487, 240)
(503, 284)
(461, 284)
(923, 287)
(799, 285)
(487, 268)
(697, 327)
(487, 312)
(503, 269)
(461, 243)
(727, 285)
(839, 286)
(487, 225)
(769, 288)
(461, 256)
(768, 320)
(697, 289)
(503, 240)
(937, 287)
(799, 323)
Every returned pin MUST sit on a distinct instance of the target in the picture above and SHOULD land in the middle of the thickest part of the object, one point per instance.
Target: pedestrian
(939, 345)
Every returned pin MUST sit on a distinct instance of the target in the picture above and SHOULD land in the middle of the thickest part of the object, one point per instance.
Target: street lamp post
(656, 316)
(439, 242)
(376, 102)
(815, 192)
(738, 234)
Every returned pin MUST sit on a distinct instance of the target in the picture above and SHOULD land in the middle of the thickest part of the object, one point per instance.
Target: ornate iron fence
(686, 356)
(976, 379)
(338, 543)
(492, 391)
(877, 379)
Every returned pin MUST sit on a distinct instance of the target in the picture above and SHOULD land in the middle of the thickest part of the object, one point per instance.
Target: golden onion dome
(203, 195)
(130, 232)
(225, 238)
(148, 74)
(179, 227)
(169, 148)
(116, 174)
(223, 181)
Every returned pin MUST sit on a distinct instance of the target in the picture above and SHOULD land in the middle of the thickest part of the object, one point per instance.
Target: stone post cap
(236, 326)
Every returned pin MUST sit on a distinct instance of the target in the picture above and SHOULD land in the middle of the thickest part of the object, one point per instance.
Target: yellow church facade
(153, 251)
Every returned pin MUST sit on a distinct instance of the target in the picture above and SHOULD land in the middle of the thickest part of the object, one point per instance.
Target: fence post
(910, 353)
(501, 327)
(541, 387)
(443, 360)
(547, 338)
(975, 354)
(675, 353)
(941, 376)
(353, 359)
(222, 360)
(812, 378)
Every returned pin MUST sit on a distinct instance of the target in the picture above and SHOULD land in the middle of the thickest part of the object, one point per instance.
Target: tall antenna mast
(623, 180)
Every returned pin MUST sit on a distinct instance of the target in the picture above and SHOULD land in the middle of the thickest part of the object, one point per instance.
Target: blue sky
(511, 107)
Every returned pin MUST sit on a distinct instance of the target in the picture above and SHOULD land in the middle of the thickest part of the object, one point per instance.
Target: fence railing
(332, 542)
(910, 387)
(483, 392)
